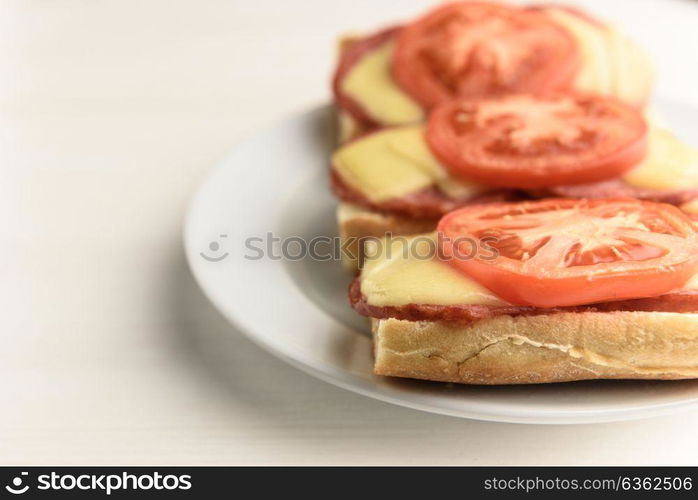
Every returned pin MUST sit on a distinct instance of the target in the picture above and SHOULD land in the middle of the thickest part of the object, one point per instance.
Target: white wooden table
(111, 112)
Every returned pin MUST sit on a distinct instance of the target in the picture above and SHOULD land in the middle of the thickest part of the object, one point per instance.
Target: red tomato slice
(563, 252)
(471, 49)
(525, 141)
(353, 54)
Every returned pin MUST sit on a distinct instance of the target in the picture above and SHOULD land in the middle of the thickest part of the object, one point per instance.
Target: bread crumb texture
(536, 349)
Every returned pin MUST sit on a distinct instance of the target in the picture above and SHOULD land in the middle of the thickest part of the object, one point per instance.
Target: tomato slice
(471, 49)
(526, 141)
(563, 252)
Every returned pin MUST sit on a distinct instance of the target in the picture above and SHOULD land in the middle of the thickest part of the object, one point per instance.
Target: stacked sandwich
(544, 222)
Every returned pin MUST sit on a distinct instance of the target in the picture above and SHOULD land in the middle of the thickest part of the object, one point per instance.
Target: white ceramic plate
(276, 182)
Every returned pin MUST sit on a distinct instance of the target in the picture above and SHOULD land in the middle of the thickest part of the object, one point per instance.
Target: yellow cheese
(633, 71)
(348, 127)
(371, 85)
(595, 73)
(402, 270)
(691, 207)
(393, 163)
(692, 283)
(611, 62)
(669, 164)
(372, 167)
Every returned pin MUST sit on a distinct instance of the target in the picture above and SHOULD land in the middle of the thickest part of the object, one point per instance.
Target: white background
(111, 112)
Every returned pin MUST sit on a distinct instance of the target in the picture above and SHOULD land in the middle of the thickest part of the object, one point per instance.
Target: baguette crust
(357, 223)
(560, 347)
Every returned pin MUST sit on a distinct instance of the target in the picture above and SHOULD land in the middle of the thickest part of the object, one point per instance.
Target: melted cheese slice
(691, 207)
(393, 163)
(611, 62)
(669, 164)
(371, 85)
(633, 70)
(400, 270)
(595, 73)
(397, 272)
(692, 283)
